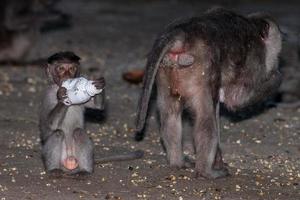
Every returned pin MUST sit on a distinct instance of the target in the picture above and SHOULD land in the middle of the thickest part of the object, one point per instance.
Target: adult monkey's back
(199, 62)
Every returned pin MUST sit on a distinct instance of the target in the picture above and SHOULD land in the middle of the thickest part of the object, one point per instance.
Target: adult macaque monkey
(65, 145)
(199, 62)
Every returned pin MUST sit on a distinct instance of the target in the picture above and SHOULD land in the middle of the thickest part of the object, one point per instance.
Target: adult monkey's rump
(199, 62)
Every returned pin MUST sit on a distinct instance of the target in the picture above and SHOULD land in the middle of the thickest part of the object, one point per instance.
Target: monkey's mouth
(63, 79)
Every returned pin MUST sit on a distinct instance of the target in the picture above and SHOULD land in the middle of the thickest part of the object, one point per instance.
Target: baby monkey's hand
(99, 83)
(61, 94)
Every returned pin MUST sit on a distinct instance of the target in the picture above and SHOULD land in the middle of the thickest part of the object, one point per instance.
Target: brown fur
(229, 58)
(66, 148)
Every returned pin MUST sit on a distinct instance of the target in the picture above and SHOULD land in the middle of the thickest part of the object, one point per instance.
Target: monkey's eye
(60, 68)
(72, 69)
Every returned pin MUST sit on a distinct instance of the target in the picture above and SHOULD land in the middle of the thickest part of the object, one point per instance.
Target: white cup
(79, 90)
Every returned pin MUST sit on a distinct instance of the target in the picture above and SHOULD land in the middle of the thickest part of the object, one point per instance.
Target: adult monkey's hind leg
(206, 134)
(218, 163)
(170, 112)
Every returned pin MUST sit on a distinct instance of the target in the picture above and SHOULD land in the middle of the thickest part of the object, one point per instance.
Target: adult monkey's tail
(161, 46)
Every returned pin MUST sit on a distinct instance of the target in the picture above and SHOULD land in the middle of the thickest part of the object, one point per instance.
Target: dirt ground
(262, 152)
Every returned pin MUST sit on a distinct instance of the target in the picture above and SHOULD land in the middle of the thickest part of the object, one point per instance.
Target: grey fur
(234, 60)
(62, 127)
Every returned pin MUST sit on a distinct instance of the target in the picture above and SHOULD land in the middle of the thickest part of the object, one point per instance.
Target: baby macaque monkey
(66, 148)
(199, 62)
(65, 145)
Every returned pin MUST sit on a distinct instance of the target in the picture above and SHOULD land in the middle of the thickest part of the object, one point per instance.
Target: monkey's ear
(48, 72)
(47, 68)
(264, 29)
(77, 71)
(261, 20)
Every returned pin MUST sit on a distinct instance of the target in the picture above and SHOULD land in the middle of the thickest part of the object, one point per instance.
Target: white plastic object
(79, 90)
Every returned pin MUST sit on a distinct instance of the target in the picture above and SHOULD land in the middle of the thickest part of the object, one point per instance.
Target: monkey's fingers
(99, 84)
(100, 80)
(62, 91)
(62, 98)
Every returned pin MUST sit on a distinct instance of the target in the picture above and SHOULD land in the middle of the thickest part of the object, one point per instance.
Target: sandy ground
(262, 152)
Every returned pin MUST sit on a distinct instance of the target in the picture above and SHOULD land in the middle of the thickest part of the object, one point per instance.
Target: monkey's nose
(70, 163)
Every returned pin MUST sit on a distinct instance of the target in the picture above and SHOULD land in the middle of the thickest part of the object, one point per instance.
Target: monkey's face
(63, 71)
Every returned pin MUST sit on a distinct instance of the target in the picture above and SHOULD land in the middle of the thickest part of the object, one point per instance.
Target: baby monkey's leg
(52, 150)
(83, 150)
